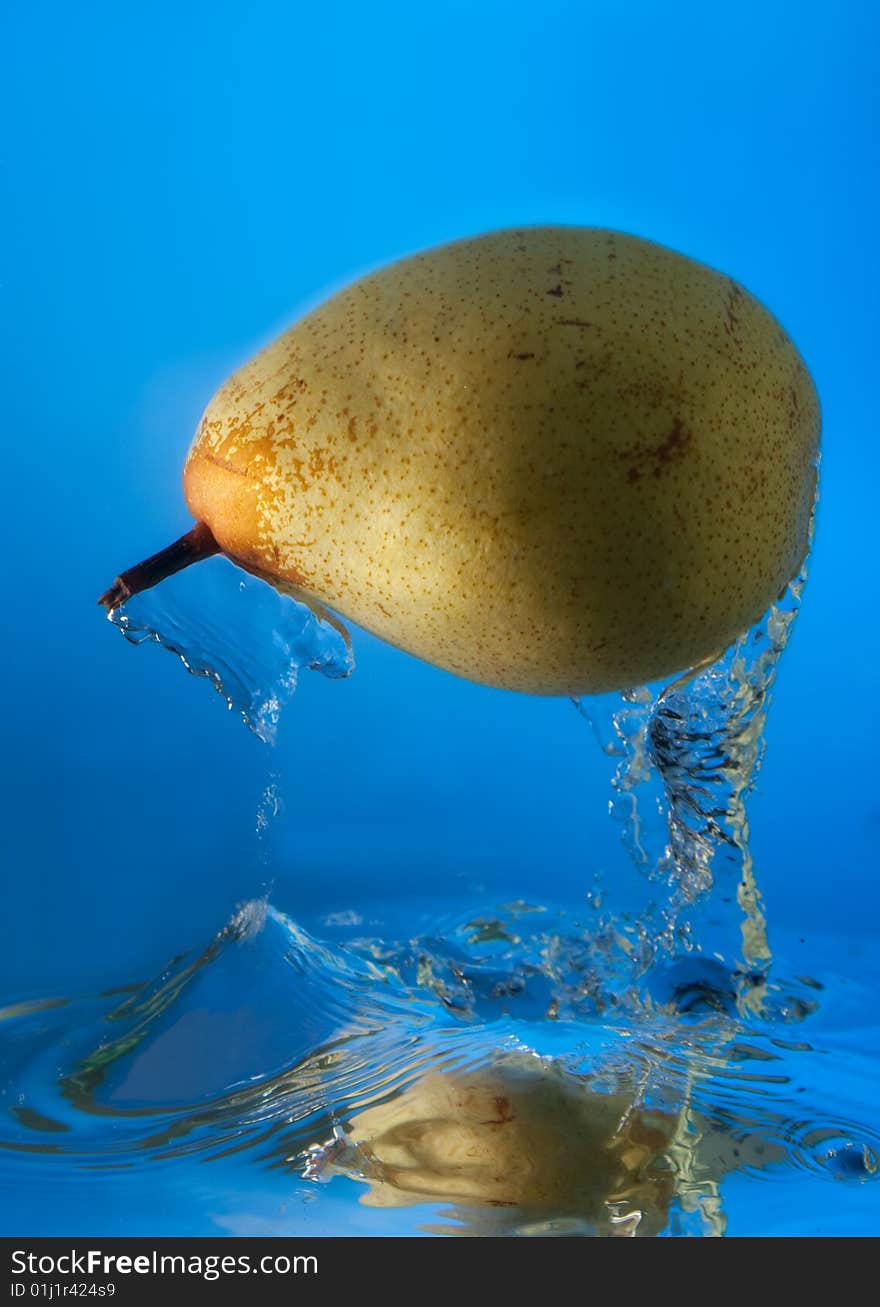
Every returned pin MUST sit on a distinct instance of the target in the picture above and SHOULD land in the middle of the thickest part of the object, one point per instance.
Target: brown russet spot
(731, 320)
(657, 458)
(298, 470)
(674, 447)
(511, 355)
(504, 1110)
(321, 461)
(289, 392)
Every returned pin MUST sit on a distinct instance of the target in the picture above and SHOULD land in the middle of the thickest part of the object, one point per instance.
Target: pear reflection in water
(522, 1146)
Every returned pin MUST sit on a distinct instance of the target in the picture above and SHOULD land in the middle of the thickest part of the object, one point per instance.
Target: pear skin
(557, 460)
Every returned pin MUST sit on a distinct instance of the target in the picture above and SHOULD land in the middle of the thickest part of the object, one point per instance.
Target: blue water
(435, 896)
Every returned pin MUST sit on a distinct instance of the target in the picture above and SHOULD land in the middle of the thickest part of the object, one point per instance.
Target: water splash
(239, 633)
(688, 758)
(309, 1061)
(666, 1059)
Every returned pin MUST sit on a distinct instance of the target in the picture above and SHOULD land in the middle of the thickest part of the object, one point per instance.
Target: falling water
(365, 1058)
(244, 637)
(688, 756)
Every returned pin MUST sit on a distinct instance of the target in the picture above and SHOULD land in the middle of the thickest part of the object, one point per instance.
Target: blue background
(184, 180)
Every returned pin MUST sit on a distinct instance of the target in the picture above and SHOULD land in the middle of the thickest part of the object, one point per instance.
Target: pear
(523, 1132)
(558, 460)
(519, 1132)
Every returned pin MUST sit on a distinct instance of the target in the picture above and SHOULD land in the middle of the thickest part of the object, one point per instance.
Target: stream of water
(614, 1066)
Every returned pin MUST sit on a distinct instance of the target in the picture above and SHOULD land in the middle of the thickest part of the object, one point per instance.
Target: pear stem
(197, 544)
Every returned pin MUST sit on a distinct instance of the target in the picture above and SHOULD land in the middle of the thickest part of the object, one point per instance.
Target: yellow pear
(560, 460)
(518, 1132)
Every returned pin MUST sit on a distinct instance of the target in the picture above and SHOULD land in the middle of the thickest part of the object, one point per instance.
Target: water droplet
(245, 638)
